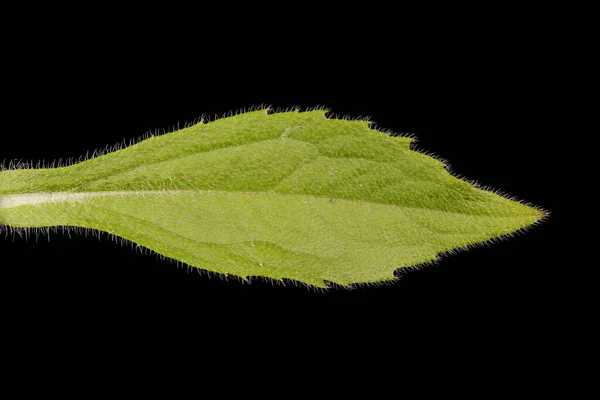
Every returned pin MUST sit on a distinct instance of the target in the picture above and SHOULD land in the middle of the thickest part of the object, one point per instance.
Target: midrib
(28, 199)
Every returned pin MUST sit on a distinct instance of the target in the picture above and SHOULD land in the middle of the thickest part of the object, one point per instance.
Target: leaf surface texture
(291, 195)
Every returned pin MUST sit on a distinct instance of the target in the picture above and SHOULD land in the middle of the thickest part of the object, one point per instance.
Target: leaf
(287, 195)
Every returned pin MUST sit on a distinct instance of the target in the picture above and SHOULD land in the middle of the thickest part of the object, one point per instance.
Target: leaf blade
(288, 195)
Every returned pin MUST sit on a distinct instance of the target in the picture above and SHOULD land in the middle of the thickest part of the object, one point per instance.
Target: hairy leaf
(287, 195)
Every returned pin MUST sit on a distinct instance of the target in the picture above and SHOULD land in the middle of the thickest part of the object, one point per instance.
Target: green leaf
(287, 195)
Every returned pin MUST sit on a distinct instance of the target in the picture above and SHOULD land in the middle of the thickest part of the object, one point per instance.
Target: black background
(482, 102)
(486, 88)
